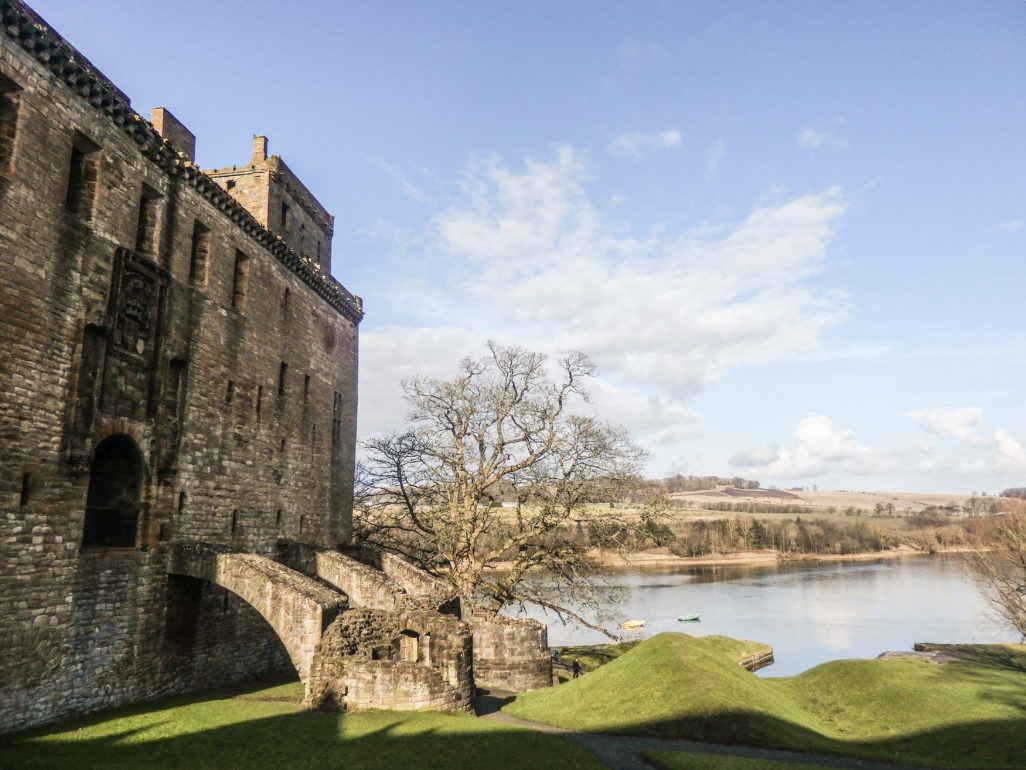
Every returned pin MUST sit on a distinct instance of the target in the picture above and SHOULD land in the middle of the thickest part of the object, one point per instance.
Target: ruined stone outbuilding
(178, 375)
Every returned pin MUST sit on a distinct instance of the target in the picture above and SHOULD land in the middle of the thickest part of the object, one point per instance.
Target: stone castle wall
(170, 370)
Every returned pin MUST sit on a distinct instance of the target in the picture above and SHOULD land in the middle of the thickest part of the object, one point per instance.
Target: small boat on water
(633, 625)
(693, 616)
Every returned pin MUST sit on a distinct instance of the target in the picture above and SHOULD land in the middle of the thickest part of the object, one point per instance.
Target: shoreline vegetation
(743, 525)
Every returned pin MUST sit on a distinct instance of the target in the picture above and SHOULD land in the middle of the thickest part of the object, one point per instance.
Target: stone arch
(114, 500)
(297, 607)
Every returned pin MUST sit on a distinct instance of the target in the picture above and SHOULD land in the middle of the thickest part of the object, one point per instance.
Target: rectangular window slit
(198, 255)
(83, 175)
(240, 287)
(26, 487)
(282, 374)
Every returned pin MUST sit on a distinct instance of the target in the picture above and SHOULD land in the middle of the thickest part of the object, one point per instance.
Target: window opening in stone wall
(285, 299)
(229, 392)
(230, 184)
(259, 399)
(284, 215)
(240, 287)
(302, 523)
(277, 518)
(10, 101)
(83, 175)
(115, 490)
(26, 486)
(282, 375)
(181, 502)
(235, 519)
(146, 235)
(162, 534)
(198, 255)
(306, 387)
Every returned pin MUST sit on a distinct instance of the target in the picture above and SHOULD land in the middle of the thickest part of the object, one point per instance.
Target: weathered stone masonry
(171, 369)
(177, 426)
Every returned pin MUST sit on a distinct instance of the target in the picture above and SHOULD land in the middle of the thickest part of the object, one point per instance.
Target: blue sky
(790, 234)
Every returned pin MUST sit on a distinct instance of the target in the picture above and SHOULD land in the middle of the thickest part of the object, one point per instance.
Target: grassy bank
(265, 728)
(966, 714)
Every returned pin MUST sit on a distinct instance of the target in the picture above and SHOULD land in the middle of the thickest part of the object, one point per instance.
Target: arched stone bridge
(298, 607)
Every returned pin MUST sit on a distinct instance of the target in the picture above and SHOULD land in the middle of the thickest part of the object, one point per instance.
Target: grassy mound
(674, 686)
(969, 713)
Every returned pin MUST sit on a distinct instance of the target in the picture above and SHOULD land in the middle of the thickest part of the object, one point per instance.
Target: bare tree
(494, 486)
(999, 567)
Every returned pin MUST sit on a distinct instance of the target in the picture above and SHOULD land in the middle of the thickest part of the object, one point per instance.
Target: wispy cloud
(635, 144)
(957, 422)
(814, 139)
(715, 155)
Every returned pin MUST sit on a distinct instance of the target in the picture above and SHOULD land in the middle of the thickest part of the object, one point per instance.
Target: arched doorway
(115, 488)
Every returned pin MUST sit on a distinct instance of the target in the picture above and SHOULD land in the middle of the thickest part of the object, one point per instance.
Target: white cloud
(669, 311)
(1011, 225)
(818, 449)
(635, 144)
(1004, 454)
(815, 139)
(957, 422)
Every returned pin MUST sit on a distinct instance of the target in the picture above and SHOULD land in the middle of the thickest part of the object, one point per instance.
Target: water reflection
(810, 613)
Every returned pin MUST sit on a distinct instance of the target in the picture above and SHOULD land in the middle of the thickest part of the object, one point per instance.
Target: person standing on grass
(577, 668)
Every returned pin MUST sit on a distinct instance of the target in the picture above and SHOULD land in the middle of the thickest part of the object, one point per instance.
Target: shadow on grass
(990, 745)
(156, 739)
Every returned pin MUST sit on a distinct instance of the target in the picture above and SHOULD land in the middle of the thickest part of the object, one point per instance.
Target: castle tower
(281, 203)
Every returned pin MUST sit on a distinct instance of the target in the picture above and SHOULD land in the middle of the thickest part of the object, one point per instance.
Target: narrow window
(306, 387)
(302, 522)
(284, 215)
(285, 299)
(146, 235)
(260, 398)
(277, 518)
(283, 446)
(235, 519)
(162, 534)
(9, 103)
(198, 257)
(229, 392)
(82, 177)
(282, 378)
(26, 487)
(241, 285)
(181, 502)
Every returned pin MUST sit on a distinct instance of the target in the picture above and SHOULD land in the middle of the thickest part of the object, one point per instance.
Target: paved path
(620, 752)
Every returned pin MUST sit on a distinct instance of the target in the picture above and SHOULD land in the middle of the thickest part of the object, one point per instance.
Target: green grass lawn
(266, 728)
(967, 714)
